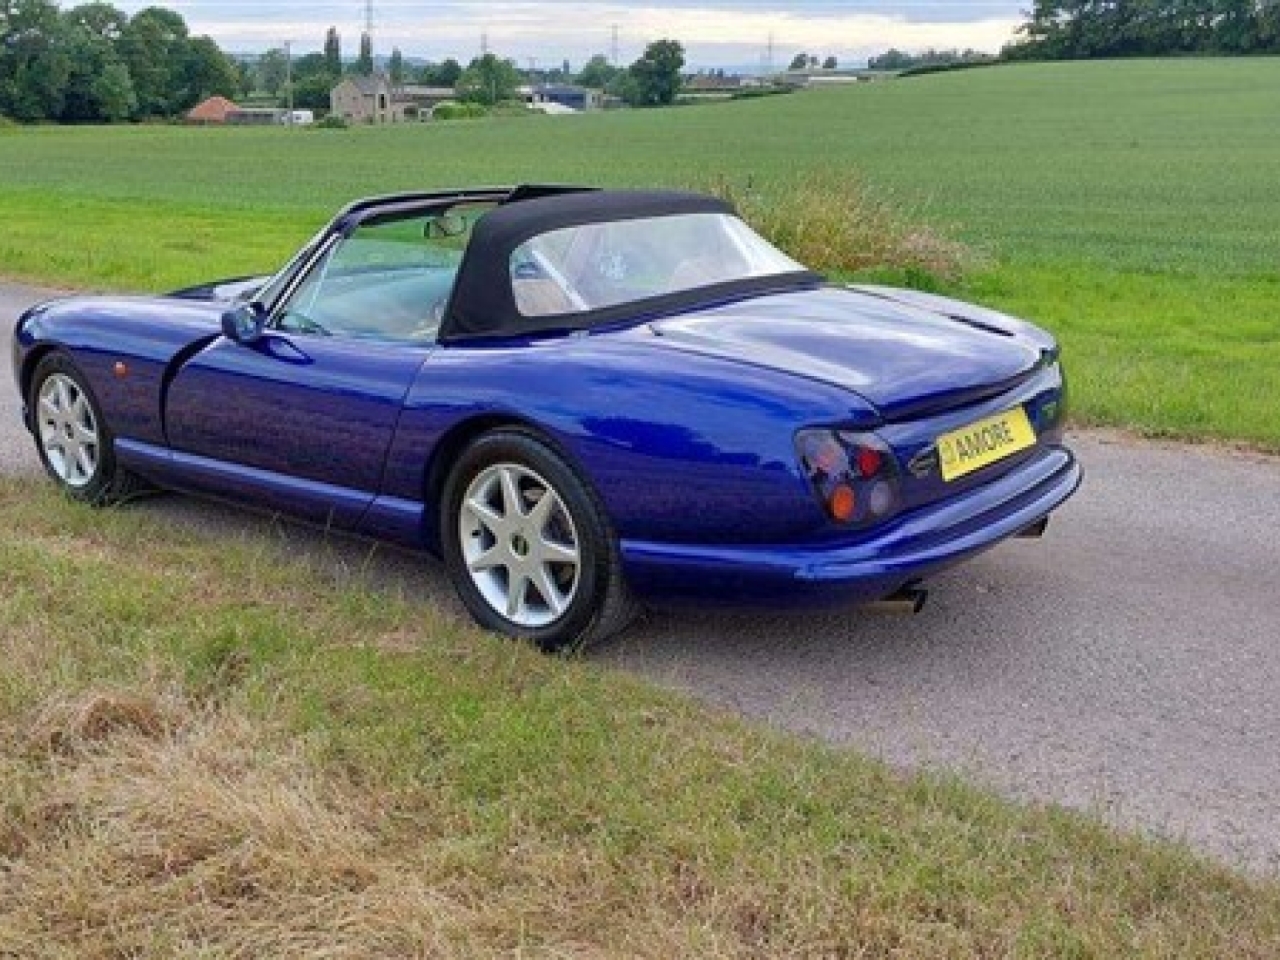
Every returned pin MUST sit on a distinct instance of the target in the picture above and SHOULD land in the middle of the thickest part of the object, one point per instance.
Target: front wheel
(528, 545)
(73, 438)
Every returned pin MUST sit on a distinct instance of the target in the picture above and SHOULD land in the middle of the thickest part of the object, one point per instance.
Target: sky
(714, 32)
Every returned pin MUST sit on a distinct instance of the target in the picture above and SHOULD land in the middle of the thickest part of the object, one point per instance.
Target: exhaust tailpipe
(1036, 530)
(908, 600)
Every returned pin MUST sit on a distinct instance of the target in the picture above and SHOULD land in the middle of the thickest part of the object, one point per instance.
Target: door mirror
(244, 322)
(445, 227)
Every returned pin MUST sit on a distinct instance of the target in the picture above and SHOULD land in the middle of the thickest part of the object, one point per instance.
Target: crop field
(1132, 207)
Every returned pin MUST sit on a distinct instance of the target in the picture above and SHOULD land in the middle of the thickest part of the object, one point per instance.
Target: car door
(301, 418)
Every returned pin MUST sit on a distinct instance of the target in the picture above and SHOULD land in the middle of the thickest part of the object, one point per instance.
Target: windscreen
(595, 266)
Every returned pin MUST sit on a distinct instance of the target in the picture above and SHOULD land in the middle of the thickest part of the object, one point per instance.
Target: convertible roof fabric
(483, 302)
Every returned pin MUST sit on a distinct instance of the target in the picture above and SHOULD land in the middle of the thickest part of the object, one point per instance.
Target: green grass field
(1132, 207)
(241, 754)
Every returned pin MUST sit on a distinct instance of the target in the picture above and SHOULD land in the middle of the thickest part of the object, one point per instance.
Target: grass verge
(214, 751)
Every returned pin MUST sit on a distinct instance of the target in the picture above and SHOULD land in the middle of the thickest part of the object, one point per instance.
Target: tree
(205, 72)
(272, 70)
(364, 65)
(100, 19)
(445, 74)
(598, 73)
(312, 92)
(489, 80)
(831, 63)
(654, 79)
(1072, 29)
(395, 70)
(154, 46)
(98, 87)
(312, 65)
(34, 62)
(333, 52)
(799, 61)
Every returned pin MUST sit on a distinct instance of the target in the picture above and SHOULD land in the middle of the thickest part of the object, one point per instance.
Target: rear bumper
(917, 545)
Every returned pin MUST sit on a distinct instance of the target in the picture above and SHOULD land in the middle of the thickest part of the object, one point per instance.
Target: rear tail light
(854, 475)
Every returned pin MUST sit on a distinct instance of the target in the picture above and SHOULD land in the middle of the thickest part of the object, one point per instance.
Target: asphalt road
(1127, 665)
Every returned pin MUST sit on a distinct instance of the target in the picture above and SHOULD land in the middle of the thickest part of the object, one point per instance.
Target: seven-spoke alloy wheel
(528, 545)
(520, 545)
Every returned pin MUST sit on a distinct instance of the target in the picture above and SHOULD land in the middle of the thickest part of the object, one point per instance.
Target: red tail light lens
(855, 476)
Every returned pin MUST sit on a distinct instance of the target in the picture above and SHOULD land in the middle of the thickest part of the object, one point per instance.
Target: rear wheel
(73, 438)
(528, 545)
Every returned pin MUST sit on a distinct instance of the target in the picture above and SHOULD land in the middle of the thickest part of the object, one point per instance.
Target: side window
(389, 280)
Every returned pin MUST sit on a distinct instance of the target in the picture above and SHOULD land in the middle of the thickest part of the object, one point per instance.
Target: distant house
(820, 78)
(213, 110)
(361, 99)
(566, 95)
(713, 83)
(417, 102)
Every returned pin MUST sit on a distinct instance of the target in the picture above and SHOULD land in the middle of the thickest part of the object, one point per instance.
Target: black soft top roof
(483, 302)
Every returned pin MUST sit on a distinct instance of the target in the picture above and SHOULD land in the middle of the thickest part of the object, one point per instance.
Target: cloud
(713, 31)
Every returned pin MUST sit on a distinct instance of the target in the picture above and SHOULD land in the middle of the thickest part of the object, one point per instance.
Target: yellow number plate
(985, 442)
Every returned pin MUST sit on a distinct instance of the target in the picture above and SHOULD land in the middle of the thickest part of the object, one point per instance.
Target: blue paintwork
(685, 426)
(316, 408)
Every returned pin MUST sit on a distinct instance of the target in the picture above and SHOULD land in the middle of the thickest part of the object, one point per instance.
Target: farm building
(359, 99)
(256, 116)
(565, 95)
(822, 78)
(213, 110)
(417, 102)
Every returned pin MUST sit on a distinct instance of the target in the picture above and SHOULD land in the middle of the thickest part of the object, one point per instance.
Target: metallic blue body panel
(265, 490)
(144, 334)
(684, 427)
(858, 569)
(318, 408)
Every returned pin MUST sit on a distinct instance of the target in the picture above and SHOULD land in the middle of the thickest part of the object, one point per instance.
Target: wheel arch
(27, 374)
(461, 435)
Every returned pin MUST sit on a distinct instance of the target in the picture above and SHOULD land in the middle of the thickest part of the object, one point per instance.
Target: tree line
(1078, 29)
(899, 60)
(96, 64)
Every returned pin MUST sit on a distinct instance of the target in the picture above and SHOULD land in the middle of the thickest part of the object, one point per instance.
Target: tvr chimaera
(583, 400)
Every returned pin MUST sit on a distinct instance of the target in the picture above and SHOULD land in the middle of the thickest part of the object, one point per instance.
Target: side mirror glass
(445, 227)
(244, 322)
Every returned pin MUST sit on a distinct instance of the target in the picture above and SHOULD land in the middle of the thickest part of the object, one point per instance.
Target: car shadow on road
(662, 643)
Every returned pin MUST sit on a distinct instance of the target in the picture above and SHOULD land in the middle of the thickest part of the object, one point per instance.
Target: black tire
(600, 605)
(107, 482)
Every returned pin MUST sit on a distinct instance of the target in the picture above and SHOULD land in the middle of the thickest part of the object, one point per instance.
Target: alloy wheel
(68, 430)
(520, 545)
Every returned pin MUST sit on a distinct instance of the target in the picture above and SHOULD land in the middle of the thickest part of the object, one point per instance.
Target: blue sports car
(582, 400)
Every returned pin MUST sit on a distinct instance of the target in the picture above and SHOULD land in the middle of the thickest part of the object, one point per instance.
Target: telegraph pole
(613, 48)
(288, 82)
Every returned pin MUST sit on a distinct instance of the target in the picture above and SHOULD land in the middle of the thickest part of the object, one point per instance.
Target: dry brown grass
(833, 223)
(303, 767)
